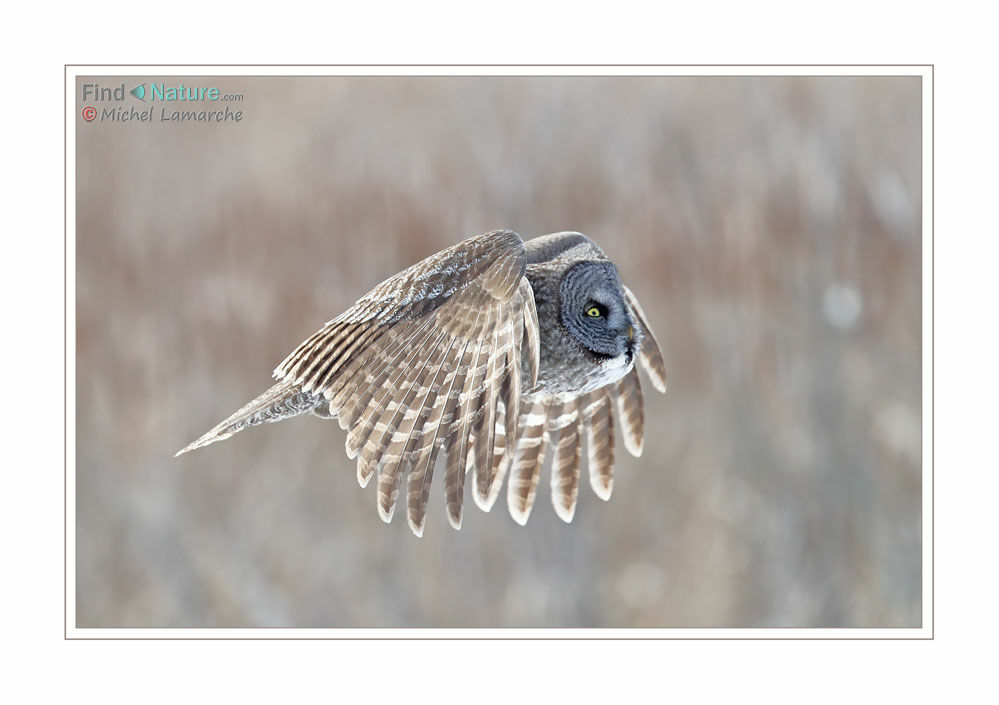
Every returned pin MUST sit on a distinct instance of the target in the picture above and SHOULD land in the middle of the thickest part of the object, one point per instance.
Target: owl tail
(281, 401)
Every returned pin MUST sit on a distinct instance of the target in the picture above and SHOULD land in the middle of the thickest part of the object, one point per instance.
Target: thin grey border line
(933, 215)
(929, 66)
(542, 75)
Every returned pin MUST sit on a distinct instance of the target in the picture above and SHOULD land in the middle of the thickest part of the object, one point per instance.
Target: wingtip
(417, 529)
(601, 490)
(385, 513)
(205, 440)
(186, 449)
(189, 447)
(565, 513)
(652, 363)
(485, 502)
(519, 514)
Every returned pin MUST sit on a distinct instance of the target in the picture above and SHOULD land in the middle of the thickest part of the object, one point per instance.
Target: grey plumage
(487, 357)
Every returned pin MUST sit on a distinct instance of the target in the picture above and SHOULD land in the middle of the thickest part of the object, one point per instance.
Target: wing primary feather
(363, 441)
(565, 467)
(600, 443)
(400, 433)
(531, 332)
(485, 435)
(508, 423)
(452, 421)
(650, 355)
(476, 411)
(532, 440)
(454, 479)
(631, 412)
(511, 391)
(454, 476)
(500, 453)
(423, 464)
(389, 415)
(457, 444)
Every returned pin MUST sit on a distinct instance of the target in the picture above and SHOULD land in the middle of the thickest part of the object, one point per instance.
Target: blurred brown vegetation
(770, 226)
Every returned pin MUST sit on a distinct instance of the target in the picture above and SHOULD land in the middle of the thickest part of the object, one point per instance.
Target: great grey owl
(488, 354)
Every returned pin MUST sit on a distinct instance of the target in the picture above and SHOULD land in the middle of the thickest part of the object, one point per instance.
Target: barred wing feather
(428, 364)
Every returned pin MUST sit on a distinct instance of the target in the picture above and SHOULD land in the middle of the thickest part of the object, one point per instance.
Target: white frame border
(924, 71)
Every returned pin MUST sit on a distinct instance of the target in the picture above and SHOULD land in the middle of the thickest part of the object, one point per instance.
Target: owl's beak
(631, 333)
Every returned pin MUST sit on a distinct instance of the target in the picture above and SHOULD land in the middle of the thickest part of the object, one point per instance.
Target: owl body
(484, 359)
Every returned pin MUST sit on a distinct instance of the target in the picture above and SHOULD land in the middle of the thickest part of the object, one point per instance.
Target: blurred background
(770, 227)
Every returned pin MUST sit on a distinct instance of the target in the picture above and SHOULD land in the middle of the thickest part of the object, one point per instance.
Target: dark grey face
(594, 311)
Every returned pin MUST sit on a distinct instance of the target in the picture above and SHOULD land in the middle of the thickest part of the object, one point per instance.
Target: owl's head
(594, 310)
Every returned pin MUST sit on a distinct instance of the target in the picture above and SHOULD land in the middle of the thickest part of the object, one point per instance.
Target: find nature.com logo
(151, 93)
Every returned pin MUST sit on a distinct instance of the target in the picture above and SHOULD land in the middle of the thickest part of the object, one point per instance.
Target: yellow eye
(593, 312)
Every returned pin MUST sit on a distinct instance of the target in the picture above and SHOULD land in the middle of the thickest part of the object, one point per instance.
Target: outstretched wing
(429, 363)
(558, 424)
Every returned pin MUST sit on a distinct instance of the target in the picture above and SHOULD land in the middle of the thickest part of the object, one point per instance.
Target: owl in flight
(490, 354)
